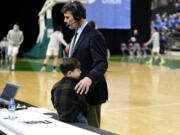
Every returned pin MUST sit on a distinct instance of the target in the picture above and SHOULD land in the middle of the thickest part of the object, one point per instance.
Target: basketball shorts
(52, 51)
(13, 50)
(155, 49)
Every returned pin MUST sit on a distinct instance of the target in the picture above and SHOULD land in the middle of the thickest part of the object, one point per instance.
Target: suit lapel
(82, 36)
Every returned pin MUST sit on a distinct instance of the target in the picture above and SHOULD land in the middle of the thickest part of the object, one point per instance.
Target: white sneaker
(43, 69)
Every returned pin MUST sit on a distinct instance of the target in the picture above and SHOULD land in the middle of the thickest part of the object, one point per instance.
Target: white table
(30, 122)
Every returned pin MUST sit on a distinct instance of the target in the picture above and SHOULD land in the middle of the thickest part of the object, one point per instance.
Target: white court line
(138, 108)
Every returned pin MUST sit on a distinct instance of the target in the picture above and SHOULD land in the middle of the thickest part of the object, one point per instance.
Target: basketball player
(53, 48)
(15, 38)
(156, 47)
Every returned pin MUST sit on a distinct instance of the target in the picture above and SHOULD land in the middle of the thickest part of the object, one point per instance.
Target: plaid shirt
(65, 100)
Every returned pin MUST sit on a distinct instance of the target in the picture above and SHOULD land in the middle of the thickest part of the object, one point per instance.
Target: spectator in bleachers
(177, 7)
(163, 42)
(178, 20)
(176, 31)
(158, 18)
(171, 19)
(4, 47)
(153, 24)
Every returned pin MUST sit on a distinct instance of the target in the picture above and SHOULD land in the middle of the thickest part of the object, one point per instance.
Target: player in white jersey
(156, 47)
(53, 48)
(15, 38)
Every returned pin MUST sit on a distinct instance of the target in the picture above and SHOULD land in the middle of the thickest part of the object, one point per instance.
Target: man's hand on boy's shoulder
(83, 85)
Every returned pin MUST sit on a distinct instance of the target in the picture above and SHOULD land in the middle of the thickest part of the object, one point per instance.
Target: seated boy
(71, 107)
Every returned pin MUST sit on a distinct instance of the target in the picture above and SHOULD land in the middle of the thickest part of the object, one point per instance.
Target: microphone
(68, 25)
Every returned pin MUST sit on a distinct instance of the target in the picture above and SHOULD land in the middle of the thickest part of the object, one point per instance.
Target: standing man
(53, 47)
(89, 48)
(15, 38)
(135, 40)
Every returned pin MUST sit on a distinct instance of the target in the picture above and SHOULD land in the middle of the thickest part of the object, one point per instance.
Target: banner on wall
(110, 14)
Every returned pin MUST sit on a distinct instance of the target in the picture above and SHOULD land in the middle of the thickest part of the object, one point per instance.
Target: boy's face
(75, 73)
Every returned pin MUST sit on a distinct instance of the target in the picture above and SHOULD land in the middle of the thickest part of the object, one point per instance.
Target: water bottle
(11, 108)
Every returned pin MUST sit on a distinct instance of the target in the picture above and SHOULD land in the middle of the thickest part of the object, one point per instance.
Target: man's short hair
(68, 64)
(76, 8)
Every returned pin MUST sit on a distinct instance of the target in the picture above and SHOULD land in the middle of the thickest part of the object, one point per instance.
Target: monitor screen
(9, 91)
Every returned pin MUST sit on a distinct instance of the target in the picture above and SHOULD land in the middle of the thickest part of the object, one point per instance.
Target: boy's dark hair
(155, 28)
(92, 24)
(68, 64)
(76, 8)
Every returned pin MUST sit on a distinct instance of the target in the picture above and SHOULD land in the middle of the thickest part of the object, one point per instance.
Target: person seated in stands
(163, 42)
(158, 18)
(177, 7)
(135, 40)
(176, 31)
(178, 20)
(171, 19)
(70, 106)
(169, 26)
(4, 47)
(154, 24)
(162, 25)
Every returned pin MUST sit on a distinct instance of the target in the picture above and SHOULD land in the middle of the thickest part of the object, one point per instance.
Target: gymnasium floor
(143, 100)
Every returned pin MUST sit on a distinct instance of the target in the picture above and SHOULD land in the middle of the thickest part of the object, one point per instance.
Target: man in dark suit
(89, 48)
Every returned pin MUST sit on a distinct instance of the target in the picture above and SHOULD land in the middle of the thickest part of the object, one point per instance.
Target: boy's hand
(83, 86)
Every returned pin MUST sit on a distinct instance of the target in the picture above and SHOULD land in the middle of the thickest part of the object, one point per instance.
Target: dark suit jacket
(66, 101)
(90, 50)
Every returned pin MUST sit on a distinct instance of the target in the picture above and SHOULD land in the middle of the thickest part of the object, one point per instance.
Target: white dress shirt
(79, 31)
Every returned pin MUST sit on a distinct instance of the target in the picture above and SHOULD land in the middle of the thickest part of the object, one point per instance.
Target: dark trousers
(94, 115)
